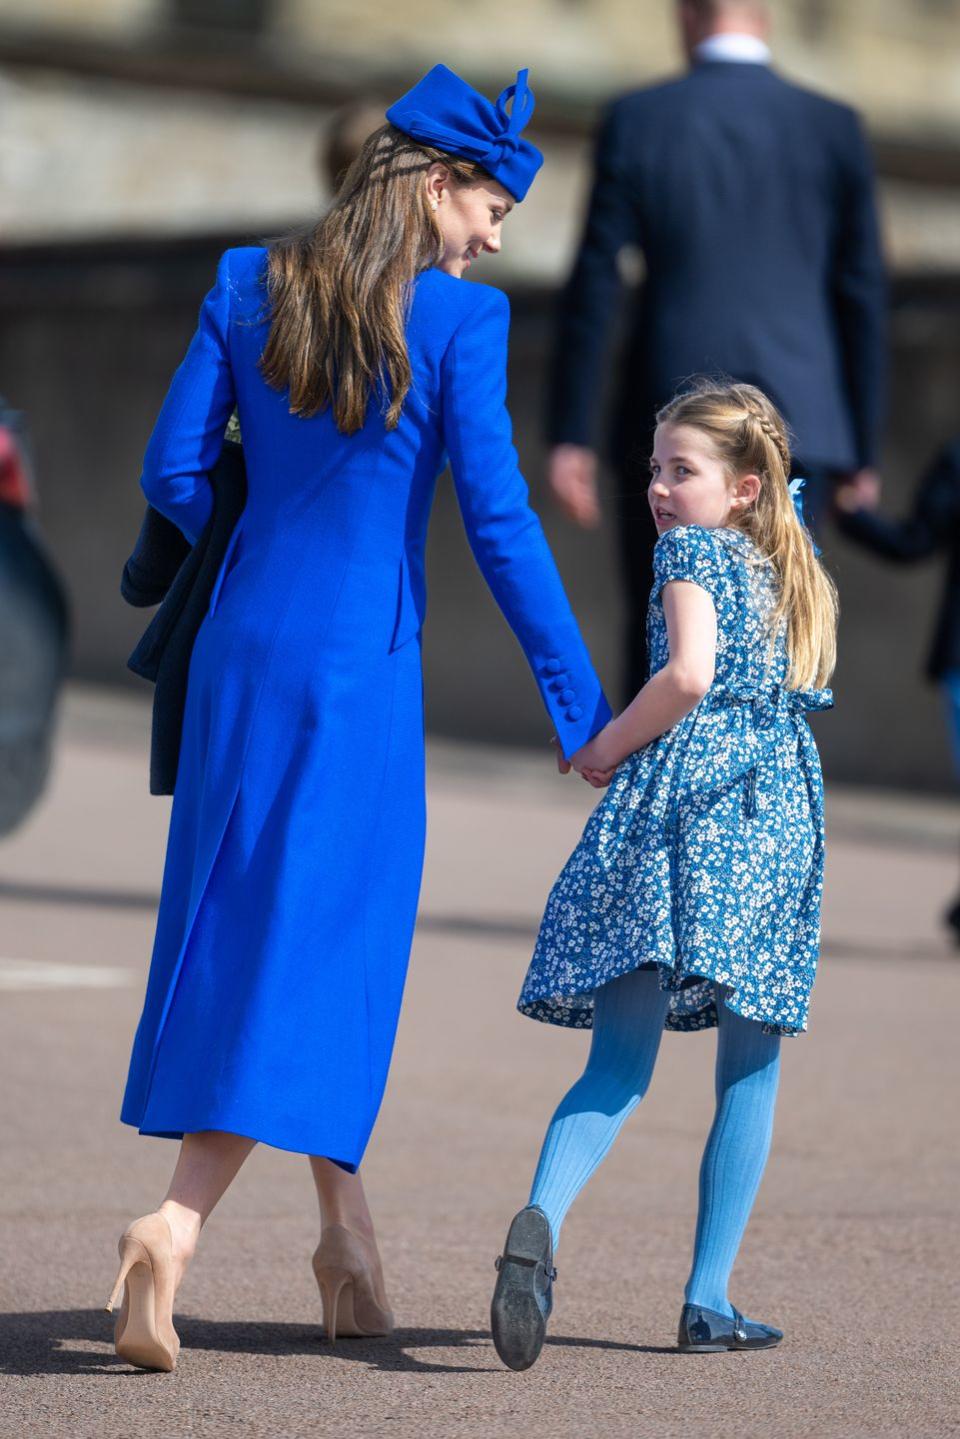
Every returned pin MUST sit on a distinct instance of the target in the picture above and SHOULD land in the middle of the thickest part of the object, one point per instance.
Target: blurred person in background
(343, 137)
(932, 527)
(296, 837)
(34, 624)
(752, 202)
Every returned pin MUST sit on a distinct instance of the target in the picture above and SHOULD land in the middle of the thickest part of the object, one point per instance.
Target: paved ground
(852, 1249)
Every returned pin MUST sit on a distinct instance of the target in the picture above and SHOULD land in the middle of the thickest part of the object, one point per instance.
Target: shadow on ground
(511, 930)
(79, 1341)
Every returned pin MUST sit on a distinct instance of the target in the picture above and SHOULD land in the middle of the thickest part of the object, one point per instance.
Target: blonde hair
(339, 291)
(750, 437)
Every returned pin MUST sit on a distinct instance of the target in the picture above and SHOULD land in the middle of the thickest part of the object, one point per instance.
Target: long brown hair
(339, 292)
(750, 437)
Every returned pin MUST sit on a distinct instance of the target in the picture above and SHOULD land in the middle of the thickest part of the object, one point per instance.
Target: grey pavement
(852, 1249)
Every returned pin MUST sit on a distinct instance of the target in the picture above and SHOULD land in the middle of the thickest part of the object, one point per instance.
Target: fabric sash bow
(775, 709)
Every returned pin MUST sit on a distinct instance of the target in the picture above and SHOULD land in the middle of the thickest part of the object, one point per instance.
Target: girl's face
(469, 217)
(689, 483)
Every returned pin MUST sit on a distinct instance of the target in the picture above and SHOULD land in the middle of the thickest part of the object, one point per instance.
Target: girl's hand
(599, 778)
(596, 754)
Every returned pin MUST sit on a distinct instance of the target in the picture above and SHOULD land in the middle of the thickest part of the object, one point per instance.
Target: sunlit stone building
(139, 137)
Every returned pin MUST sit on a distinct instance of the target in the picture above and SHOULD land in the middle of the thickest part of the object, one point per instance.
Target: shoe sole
(516, 1319)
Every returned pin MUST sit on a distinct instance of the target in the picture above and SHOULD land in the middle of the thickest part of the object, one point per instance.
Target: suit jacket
(933, 524)
(166, 569)
(752, 201)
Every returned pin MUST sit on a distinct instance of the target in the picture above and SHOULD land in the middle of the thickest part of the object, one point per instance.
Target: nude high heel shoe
(144, 1334)
(345, 1278)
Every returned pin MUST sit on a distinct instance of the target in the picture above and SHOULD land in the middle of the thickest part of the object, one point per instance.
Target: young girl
(693, 897)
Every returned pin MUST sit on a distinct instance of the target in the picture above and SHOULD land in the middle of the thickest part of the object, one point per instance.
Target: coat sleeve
(188, 436)
(931, 525)
(588, 301)
(860, 293)
(504, 533)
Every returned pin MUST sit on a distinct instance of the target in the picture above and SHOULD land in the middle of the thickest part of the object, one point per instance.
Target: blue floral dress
(705, 857)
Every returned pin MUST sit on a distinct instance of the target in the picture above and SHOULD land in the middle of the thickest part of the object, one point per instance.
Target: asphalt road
(852, 1249)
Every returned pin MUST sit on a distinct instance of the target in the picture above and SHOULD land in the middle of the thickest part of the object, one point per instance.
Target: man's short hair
(710, 9)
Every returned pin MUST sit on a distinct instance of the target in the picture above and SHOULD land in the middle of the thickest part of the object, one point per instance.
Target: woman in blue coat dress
(360, 366)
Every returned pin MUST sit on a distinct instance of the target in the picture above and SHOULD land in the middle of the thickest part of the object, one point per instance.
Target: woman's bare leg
(341, 1196)
(206, 1167)
(343, 1201)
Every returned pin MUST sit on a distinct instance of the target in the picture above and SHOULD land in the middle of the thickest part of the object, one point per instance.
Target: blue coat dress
(296, 839)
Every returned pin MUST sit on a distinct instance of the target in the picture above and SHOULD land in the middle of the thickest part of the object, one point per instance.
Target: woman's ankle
(185, 1225)
(359, 1223)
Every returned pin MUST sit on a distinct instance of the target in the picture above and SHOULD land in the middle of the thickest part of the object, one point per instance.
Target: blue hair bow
(793, 489)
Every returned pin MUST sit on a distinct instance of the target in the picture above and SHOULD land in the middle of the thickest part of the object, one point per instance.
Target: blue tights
(627, 1027)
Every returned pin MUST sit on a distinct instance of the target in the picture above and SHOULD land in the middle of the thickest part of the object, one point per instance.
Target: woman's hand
(596, 773)
(563, 765)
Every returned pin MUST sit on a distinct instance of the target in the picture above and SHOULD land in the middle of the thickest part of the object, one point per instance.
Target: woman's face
(689, 483)
(469, 217)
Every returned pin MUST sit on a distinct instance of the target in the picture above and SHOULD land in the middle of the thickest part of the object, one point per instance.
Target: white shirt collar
(731, 46)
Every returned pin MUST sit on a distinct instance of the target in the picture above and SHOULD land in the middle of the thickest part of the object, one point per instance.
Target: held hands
(572, 475)
(596, 761)
(590, 763)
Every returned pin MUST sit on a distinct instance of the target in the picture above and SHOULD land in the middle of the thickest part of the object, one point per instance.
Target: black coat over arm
(165, 569)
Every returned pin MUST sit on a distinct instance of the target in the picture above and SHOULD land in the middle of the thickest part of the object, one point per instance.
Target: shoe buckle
(502, 1259)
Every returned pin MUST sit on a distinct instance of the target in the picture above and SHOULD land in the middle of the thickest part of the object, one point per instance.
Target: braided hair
(749, 436)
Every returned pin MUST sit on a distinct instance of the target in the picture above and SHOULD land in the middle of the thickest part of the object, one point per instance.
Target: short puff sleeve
(688, 552)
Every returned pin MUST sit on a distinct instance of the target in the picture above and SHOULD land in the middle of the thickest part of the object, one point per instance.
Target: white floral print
(705, 856)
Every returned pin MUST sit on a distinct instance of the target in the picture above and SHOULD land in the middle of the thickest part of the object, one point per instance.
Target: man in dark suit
(752, 202)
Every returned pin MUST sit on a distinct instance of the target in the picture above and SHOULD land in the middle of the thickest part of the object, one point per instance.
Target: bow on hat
(444, 111)
(520, 111)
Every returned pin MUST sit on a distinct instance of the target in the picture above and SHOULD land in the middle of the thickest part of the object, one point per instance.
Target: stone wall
(118, 121)
(90, 336)
(140, 138)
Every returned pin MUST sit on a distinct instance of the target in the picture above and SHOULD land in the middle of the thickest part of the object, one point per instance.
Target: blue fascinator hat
(444, 111)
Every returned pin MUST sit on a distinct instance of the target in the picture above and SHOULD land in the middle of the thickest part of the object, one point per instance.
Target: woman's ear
(745, 491)
(438, 178)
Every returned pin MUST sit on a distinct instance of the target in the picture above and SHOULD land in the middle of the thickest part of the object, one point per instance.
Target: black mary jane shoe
(704, 1331)
(523, 1298)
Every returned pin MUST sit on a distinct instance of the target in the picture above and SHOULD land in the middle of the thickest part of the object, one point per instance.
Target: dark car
(33, 633)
